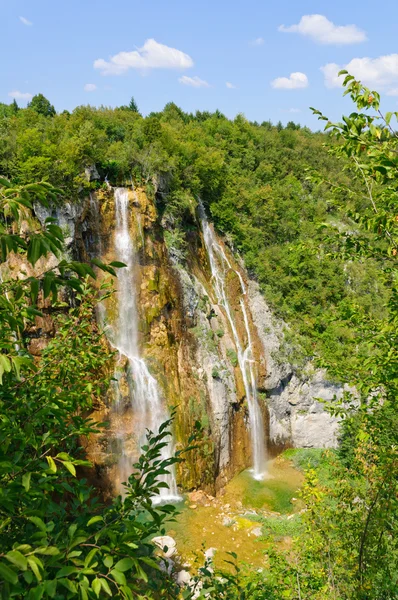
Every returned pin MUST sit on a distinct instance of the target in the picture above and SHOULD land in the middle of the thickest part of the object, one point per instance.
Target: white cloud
(294, 110)
(193, 81)
(152, 55)
(296, 81)
(25, 21)
(20, 95)
(381, 72)
(257, 42)
(90, 87)
(230, 85)
(323, 31)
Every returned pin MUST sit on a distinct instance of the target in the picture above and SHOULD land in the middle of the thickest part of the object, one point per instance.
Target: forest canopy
(288, 224)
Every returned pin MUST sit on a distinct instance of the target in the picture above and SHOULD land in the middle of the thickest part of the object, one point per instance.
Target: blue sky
(196, 48)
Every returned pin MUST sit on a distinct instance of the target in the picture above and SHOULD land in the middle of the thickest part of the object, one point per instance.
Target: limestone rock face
(187, 342)
(91, 173)
(296, 418)
(67, 216)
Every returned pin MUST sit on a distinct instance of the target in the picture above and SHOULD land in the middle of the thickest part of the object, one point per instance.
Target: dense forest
(289, 223)
(313, 216)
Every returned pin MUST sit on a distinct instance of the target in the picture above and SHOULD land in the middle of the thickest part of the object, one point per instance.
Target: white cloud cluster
(296, 81)
(25, 21)
(230, 85)
(381, 72)
(20, 95)
(193, 81)
(257, 42)
(323, 31)
(151, 55)
(90, 87)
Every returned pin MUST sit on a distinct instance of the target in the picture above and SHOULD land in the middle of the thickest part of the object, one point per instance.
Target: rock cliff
(187, 342)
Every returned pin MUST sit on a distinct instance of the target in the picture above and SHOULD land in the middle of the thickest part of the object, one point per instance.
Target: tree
(133, 105)
(352, 523)
(42, 106)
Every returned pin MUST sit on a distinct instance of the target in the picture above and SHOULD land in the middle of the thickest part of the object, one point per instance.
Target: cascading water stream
(219, 265)
(147, 405)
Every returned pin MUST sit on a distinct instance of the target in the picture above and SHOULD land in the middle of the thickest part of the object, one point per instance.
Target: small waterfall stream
(220, 265)
(147, 404)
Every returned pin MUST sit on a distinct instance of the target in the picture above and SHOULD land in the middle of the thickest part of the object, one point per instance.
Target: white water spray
(220, 265)
(147, 404)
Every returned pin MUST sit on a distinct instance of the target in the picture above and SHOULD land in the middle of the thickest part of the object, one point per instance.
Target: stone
(296, 418)
(209, 553)
(198, 497)
(257, 531)
(91, 173)
(183, 578)
(163, 541)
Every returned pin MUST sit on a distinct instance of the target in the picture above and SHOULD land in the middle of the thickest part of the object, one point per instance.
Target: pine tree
(133, 105)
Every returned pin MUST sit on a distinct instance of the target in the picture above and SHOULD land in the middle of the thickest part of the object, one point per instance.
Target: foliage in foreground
(57, 537)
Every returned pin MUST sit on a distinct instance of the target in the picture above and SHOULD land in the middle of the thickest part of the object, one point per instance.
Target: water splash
(147, 404)
(220, 265)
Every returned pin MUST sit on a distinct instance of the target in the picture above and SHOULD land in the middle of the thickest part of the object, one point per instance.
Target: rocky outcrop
(296, 417)
(188, 345)
(67, 216)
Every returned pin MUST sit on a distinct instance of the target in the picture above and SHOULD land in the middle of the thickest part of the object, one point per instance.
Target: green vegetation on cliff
(255, 181)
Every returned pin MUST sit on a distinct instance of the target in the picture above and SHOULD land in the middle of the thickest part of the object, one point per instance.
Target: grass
(314, 458)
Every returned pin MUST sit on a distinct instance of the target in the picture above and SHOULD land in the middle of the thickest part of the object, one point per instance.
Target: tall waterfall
(147, 404)
(220, 265)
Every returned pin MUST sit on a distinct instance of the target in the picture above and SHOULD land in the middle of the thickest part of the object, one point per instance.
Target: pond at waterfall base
(244, 517)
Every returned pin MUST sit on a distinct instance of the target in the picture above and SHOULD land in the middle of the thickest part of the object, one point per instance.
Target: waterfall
(147, 404)
(220, 265)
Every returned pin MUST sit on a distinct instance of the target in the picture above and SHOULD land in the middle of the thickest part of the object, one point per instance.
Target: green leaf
(105, 586)
(8, 574)
(47, 550)
(388, 117)
(35, 568)
(117, 264)
(70, 467)
(51, 464)
(108, 561)
(28, 576)
(38, 522)
(96, 585)
(83, 592)
(95, 520)
(18, 559)
(37, 592)
(127, 592)
(34, 290)
(89, 557)
(124, 565)
(26, 481)
(51, 587)
(69, 585)
(118, 576)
